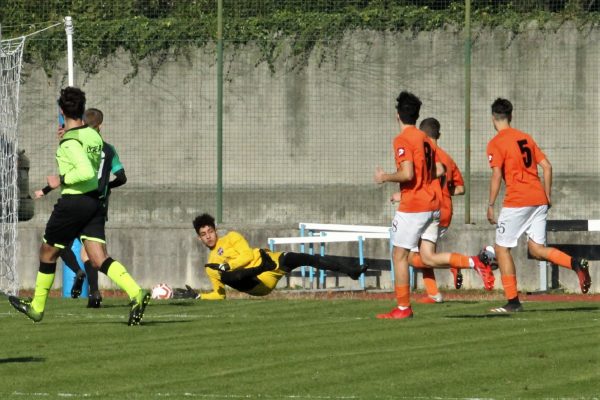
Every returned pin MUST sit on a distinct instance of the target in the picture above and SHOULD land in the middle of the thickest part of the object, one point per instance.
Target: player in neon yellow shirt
(234, 263)
(78, 213)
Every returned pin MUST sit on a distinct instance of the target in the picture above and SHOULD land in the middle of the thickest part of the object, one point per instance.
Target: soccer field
(301, 349)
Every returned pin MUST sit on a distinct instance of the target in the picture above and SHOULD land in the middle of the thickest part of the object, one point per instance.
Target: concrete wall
(173, 255)
(302, 144)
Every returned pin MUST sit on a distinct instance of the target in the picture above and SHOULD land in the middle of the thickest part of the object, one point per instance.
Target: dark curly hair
(203, 220)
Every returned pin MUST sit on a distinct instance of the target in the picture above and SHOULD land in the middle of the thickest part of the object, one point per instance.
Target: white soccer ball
(162, 291)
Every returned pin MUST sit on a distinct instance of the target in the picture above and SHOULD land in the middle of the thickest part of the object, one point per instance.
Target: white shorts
(514, 221)
(441, 232)
(409, 228)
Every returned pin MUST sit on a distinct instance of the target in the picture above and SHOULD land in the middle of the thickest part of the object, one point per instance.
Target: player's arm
(218, 292)
(440, 169)
(120, 179)
(456, 183)
(79, 168)
(117, 170)
(495, 182)
(405, 173)
(547, 171)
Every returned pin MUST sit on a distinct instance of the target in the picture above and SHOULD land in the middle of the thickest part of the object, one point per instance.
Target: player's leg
(70, 260)
(512, 223)
(34, 308)
(407, 229)
(290, 261)
(68, 216)
(93, 238)
(431, 288)
(94, 297)
(536, 245)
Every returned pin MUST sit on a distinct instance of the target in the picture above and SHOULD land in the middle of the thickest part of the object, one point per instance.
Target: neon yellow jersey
(78, 157)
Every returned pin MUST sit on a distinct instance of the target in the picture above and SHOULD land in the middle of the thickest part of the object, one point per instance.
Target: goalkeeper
(234, 263)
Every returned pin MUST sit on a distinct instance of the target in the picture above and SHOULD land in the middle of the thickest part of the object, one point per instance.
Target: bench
(317, 233)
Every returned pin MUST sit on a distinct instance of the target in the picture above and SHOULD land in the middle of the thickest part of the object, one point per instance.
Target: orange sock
(429, 282)
(509, 282)
(459, 261)
(416, 261)
(403, 295)
(557, 257)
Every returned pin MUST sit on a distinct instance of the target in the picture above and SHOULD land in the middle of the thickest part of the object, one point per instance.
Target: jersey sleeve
(402, 151)
(457, 178)
(116, 164)
(240, 254)
(218, 292)
(79, 168)
(538, 154)
(494, 155)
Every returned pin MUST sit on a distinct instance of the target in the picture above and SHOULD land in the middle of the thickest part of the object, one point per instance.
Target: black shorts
(75, 216)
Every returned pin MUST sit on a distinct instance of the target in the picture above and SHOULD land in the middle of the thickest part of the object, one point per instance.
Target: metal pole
(69, 31)
(468, 45)
(220, 112)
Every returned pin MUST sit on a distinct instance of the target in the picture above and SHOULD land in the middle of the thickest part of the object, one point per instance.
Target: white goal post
(11, 58)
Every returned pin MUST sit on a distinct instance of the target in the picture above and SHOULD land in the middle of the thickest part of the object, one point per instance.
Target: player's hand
(38, 194)
(379, 175)
(490, 215)
(53, 181)
(60, 132)
(395, 197)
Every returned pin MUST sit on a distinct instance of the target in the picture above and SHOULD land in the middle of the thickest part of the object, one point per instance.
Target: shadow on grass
(570, 309)
(508, 315)
(479, 316)
(182, 303)
(21, 360)
(173, 321)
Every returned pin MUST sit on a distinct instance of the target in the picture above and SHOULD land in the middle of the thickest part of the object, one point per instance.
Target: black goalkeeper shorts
(74, 216)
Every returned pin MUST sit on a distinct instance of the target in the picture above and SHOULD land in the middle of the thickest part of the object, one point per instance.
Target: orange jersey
(448, 181)
(517, 155)
(418, 195)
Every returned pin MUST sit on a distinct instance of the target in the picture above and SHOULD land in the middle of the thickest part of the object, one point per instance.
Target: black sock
(69, 259)
(47, 268)
(92, 275)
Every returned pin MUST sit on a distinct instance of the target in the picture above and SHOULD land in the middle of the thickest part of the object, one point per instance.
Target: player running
(111, 164)
(415, 224)
(514, 157)
(234, 263)
(452, 184)
(78, 213)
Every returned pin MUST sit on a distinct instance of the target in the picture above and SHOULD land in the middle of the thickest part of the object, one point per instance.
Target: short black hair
(408, 106)
(204, 220)
(93, 117)
(502, 109)
(431, 127)
(72, 102)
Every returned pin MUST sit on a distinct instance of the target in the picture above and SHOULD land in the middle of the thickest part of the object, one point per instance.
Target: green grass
(300, 349)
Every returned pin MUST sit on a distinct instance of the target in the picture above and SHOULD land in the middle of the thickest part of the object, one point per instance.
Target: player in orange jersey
(452, 184)
(514, 156)
(416, 222)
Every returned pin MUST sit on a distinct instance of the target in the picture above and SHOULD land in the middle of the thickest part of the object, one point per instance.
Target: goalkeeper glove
(219, 267)
(187, 293)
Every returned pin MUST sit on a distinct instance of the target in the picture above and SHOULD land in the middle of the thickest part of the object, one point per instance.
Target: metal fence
(307, 98)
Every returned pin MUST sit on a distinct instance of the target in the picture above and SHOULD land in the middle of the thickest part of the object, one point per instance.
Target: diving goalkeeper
(234, 263)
